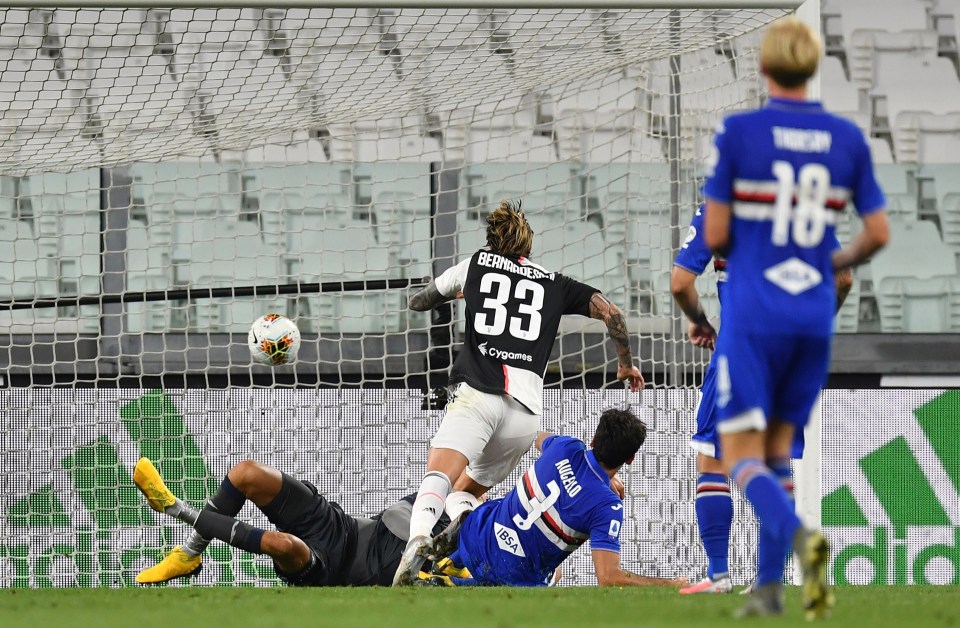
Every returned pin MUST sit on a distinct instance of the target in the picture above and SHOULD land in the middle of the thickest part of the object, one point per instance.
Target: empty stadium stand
(592, 155)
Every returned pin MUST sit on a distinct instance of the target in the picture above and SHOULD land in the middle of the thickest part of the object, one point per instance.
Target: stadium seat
(849, 224)
(67, 223)
(864, 14)
(648, 253)
(223, 253)
(347, 80)
(950, 220)
(298, 148)
(24, 273)
(928, 138)
(647, 181)
(350, 253)
(403, 225)
(607, 94)
(847, 320)
(880, 150)
(470, 238)
(649, 203)
(706, 86)
(913, 290)
(709, 86)
(139, 91)
(148, 268)
(544, 189)
(875, 56)
(912, 305)
(517, 146)
(602, 139)
(894, 179)
(402, 147)
(187, 189)
(930, 87)
(577, 249)
(290, 196)
(229, 84)
(936, 180)
(447, 28)
(839, 95)
(899, 258)
(506, 114)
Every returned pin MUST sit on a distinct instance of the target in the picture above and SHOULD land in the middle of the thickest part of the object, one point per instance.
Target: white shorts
(491, 431)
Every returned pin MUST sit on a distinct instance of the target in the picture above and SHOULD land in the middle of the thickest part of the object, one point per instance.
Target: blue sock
(714, 508)
(771, 558)
(775, 511)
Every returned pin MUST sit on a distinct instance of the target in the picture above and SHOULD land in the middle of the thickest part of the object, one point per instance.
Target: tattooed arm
(602, 309)
(428, 298)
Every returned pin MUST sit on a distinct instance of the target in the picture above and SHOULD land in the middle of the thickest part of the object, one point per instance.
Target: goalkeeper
(315, 543)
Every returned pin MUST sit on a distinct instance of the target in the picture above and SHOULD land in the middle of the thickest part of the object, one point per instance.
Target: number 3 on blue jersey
(808, 220)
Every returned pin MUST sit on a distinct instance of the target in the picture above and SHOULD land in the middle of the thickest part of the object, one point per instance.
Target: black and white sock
(212, 525)
(227, 501)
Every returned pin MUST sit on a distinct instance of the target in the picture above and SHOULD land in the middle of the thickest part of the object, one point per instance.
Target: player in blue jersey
(562, 501)
(780, 178)
(713, 504)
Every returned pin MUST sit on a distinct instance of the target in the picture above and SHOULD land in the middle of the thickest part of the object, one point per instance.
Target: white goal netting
(169, 149)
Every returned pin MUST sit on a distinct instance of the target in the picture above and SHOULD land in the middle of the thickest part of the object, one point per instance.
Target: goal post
(168, 174)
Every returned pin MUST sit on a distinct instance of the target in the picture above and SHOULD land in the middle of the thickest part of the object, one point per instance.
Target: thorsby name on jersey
(513, 311)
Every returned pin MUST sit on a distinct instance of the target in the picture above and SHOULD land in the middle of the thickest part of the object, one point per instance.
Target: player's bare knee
(706, 464)
(468, 484)
(245, 476)
(291, 553)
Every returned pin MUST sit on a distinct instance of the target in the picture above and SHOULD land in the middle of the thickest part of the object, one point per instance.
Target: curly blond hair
(508, 231)
(790, 52)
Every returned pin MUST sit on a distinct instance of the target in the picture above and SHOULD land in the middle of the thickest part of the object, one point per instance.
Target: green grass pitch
(857, 607)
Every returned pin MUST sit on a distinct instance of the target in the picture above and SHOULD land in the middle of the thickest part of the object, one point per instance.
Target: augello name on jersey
(492, 260)
(567, 477)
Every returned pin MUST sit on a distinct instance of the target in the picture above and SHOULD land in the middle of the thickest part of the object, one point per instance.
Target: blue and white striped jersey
(788, 170)
(563, 500)
(694, 254)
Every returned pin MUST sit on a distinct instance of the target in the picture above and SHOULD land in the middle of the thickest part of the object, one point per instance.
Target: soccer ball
(273, 340)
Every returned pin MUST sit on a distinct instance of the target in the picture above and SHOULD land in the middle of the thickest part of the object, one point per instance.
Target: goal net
(152, 151)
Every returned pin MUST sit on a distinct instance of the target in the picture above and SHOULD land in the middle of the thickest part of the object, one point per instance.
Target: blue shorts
(706, 440)
(763, 376)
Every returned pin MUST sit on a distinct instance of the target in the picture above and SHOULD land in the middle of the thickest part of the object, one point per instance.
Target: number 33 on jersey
(513, 311)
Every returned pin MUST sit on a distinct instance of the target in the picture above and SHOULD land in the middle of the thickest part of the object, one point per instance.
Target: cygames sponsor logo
(500, 354)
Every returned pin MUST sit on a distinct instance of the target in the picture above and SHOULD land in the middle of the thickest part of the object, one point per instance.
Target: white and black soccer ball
(273, 339)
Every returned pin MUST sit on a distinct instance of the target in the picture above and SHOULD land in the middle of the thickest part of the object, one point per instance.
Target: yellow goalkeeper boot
(446, 567)
(148, 480)
(176, 564)
(425, 579)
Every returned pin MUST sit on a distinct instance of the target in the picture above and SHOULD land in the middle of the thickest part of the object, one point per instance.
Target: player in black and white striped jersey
(513, 310)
